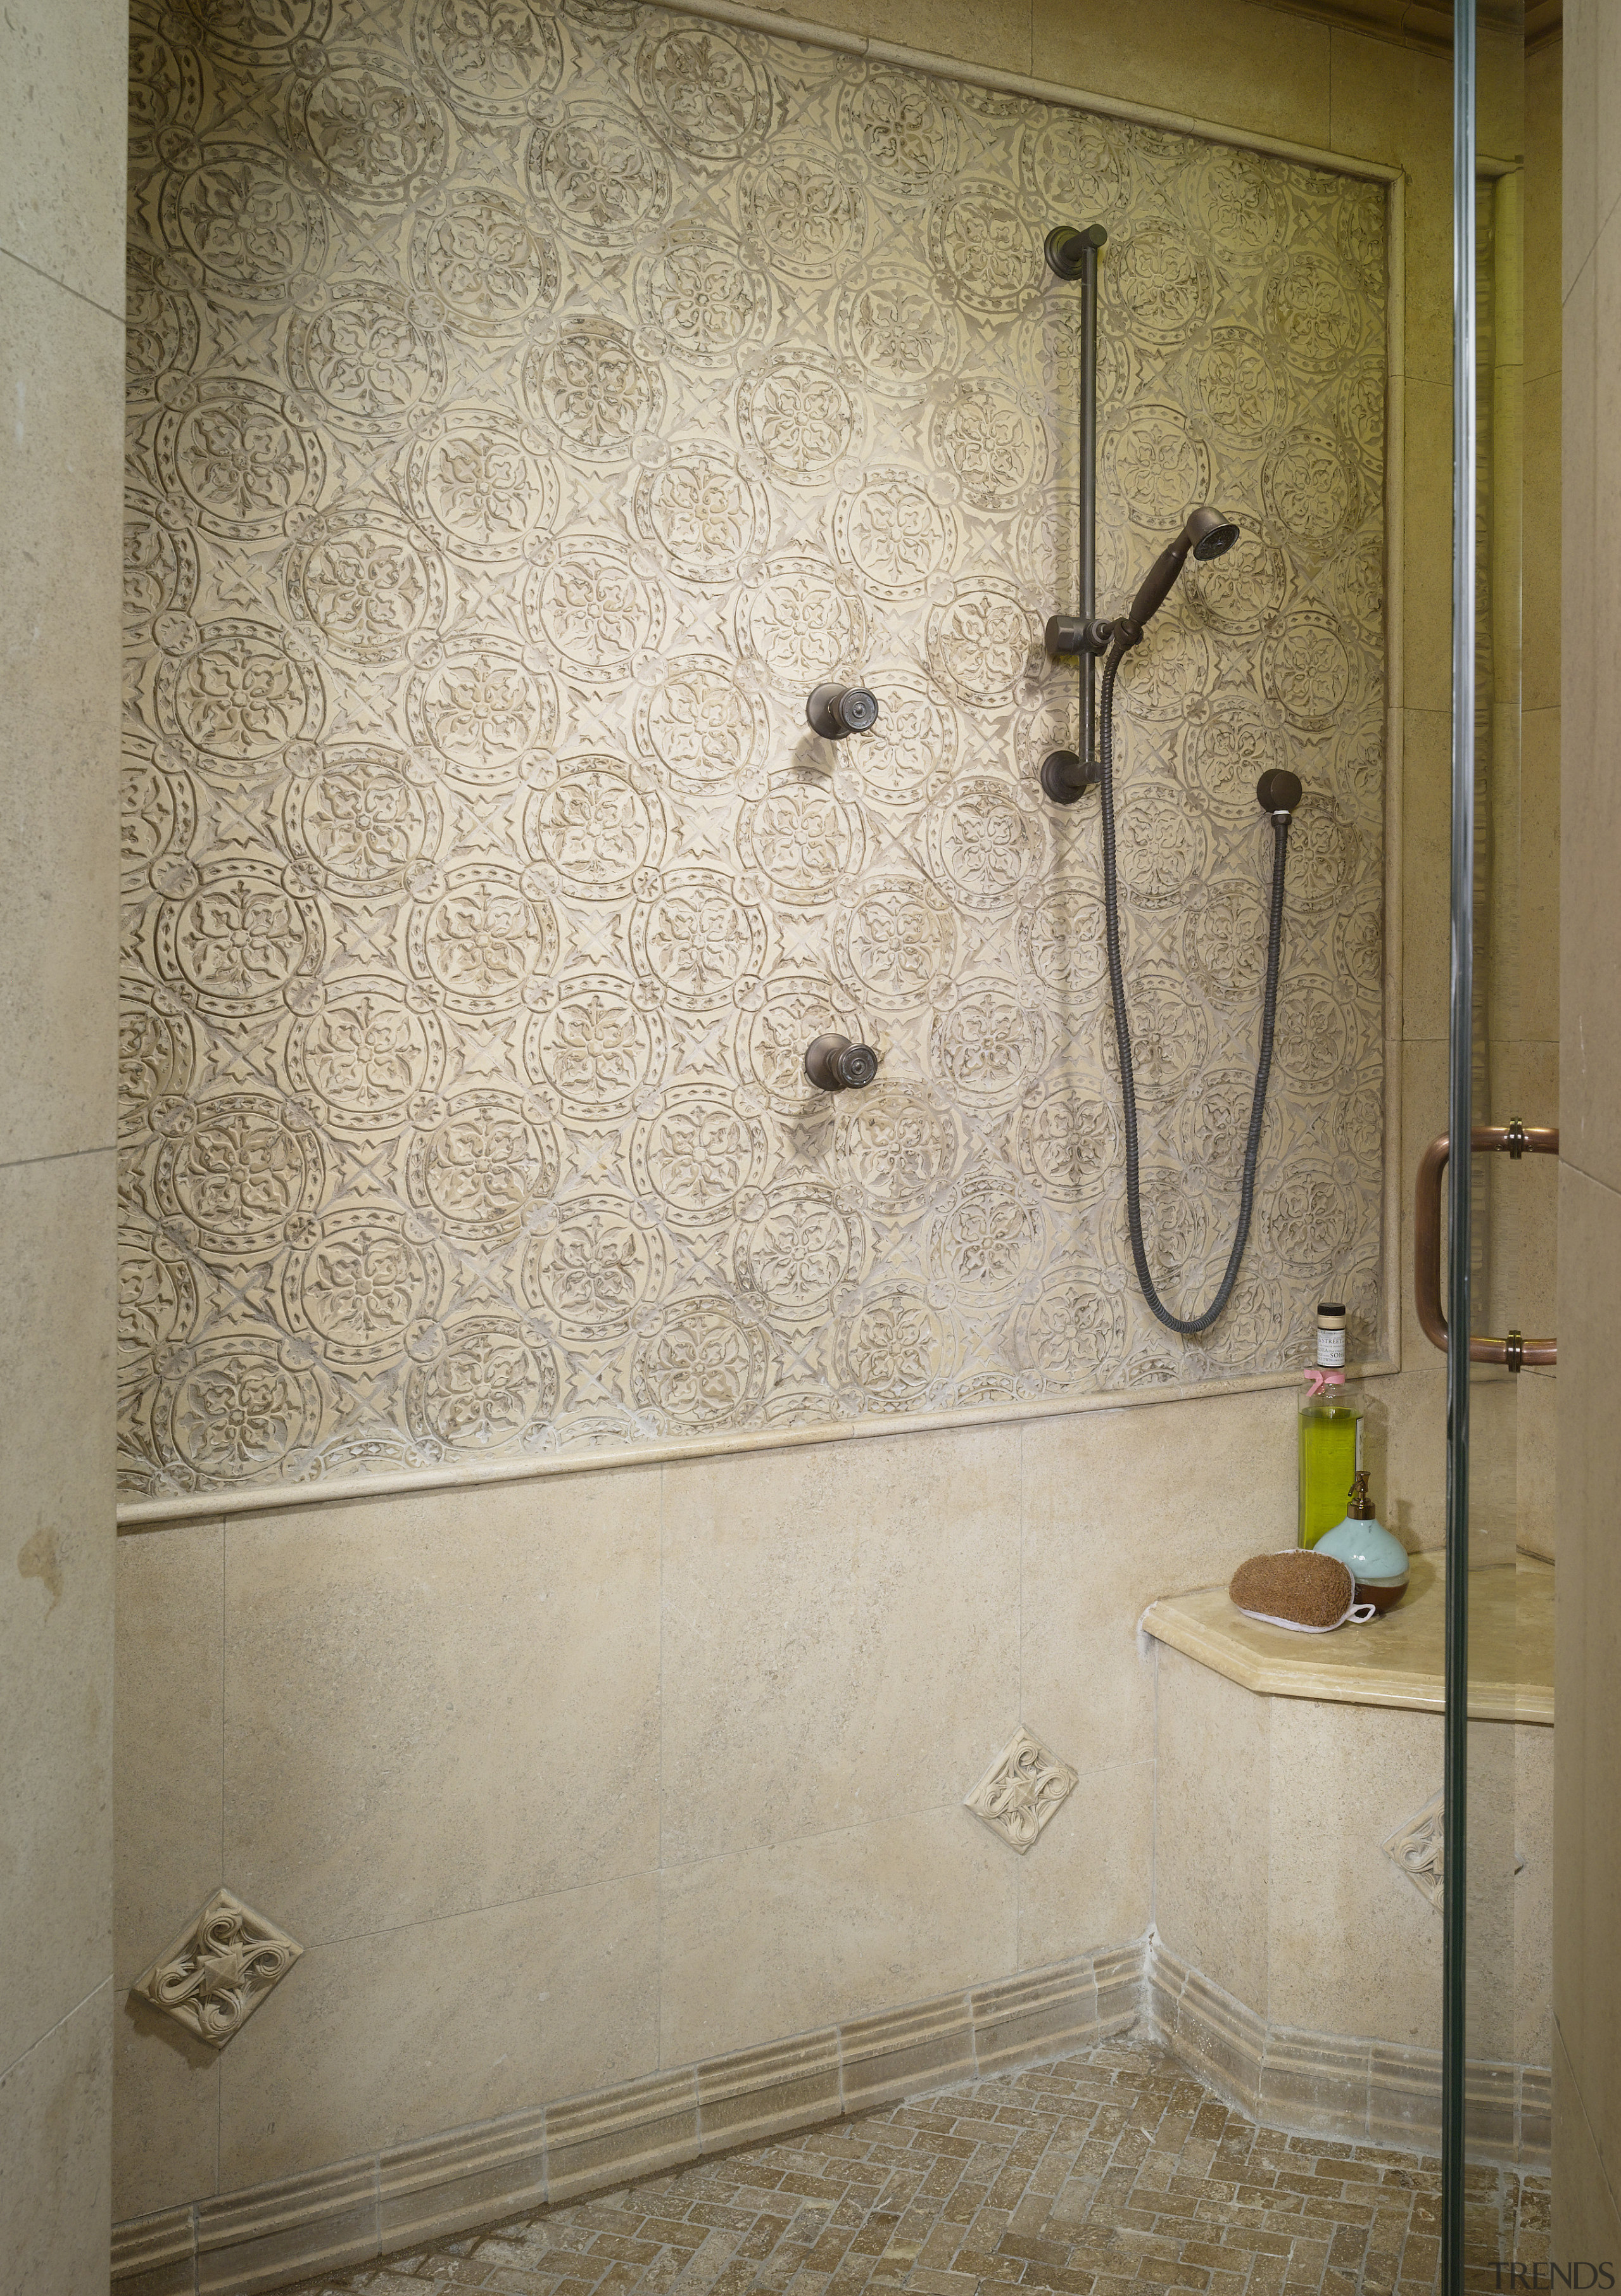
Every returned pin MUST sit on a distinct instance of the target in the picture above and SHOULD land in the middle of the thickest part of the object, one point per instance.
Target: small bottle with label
(1330, 1430)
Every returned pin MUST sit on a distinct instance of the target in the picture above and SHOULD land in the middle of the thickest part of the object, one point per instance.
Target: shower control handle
(834, 1064)
(834, 712)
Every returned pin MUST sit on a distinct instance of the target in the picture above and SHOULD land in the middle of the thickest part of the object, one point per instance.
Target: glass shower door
(1502, 1099)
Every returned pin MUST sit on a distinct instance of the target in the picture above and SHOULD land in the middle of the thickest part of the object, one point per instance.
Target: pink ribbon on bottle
(1321, 1376)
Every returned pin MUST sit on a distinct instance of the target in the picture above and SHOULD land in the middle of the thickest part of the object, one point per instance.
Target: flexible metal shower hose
(1117, 985)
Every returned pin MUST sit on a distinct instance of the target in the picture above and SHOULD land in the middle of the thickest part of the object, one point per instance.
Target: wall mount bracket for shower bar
(1067, 775)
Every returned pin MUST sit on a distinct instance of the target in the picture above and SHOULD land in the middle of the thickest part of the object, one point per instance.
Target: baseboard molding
(1331, 2084)
(353, 2210)
(1304, 2084)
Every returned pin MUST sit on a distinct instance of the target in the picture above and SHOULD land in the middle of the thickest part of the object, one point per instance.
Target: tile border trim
(349, 2211)
(1333, 2085)
(783, 26)
(266, 1498)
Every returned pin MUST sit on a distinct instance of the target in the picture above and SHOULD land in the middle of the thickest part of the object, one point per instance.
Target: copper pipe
(1514, 1140)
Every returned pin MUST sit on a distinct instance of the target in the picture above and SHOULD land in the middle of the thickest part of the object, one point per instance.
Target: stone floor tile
(1110, 2173)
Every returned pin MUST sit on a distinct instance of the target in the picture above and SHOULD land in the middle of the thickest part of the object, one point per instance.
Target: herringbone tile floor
(1107, 2172)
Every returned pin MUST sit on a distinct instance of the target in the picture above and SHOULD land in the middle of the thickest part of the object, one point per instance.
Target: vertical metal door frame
(1460, 1124)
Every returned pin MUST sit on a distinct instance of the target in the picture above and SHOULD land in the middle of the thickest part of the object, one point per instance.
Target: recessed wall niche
(525, 410)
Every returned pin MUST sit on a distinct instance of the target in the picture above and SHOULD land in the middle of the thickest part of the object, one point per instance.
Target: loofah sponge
(1296, 1588)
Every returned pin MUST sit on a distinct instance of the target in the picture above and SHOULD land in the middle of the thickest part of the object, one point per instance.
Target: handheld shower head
(1207, 533)
(1213, 535)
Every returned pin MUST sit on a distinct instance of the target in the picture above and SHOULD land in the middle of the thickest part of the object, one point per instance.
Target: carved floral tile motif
(219, 1969)
(527, 406)
(1022, 1792)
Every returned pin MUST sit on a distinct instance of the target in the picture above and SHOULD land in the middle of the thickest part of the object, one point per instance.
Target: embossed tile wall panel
(526, 409)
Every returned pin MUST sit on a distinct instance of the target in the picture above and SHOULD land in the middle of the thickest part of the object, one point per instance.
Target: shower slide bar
(1067, 775)
(1514, 1141)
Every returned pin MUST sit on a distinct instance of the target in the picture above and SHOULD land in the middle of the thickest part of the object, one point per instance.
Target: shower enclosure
(636, 1266)
(1501, 1098)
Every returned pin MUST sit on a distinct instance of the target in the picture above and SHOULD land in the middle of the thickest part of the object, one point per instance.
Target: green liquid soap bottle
(1330, 1429)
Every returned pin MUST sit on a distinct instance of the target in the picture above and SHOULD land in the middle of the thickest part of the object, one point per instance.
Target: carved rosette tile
(1022, 1792)
(1419, 1850)
(219, 1969)
(519, 424)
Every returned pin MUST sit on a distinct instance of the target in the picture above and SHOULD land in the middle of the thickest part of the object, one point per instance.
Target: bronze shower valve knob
(834, 712)
(834, 1064)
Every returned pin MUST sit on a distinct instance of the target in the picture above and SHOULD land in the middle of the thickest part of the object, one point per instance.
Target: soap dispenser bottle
(1375, 1559)
(1331, 1422)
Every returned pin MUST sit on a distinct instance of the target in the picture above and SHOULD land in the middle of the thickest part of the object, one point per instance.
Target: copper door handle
(1513, 1140)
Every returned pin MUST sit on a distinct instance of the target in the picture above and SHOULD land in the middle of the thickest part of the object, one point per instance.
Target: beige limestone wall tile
(61, 365)
(1532, 2037)
(1245, 65)
(1395, 105)
(1536, 1442)
(1579, 171)
(167, 1799)
(164, 2112)
(1544, 168)
(1119, 1508)
(807, 1933)
(1586, 2220)
(1210, 1826)
(1599, 56)
(997, 34)
(1427, 551)
(1088, 1881)
(1353, 1945)
(1425, 862)
(1591, 803)
(1409, 1486)
(814, 1603)
(1540, 919)
(1587, 1653)
(62, 182)
(1578, 383)
(374, 2040)
(1540, 603)
(56, 1550)
(167, 1780)
(441, 1702)
(54, 2210)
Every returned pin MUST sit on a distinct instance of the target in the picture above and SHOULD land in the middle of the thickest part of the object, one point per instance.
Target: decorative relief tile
(1022, 1792)
(527, 406)
(1420, 1848)
(219, 1969)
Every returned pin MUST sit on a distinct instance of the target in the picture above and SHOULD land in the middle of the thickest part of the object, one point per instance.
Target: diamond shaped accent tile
(1420, 1848)
(219, 1969)
(1023, 1790)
